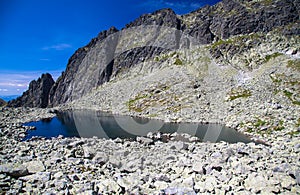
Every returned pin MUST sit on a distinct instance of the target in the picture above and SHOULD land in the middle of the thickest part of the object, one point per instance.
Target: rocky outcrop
(163, 17)
(208, 24)
(234, 17)
(59, 92)
(37, 95)
(2, 102)
(243, 17)
(113, 51)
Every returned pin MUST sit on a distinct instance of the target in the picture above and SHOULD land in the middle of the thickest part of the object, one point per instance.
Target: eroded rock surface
(37, 94)
(113, 52)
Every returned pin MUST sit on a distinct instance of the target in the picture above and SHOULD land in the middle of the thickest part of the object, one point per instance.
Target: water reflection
(88, 123)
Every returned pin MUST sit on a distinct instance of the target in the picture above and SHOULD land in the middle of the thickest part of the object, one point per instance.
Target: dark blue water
(86, 123)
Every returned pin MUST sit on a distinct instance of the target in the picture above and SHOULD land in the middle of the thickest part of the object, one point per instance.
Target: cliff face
(113, 51)
(37, 94)
(2, 102)
(66, 85)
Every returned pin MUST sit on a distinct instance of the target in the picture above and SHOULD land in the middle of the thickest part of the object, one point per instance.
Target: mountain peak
(37, 95)
(95, 63)
(163, 17)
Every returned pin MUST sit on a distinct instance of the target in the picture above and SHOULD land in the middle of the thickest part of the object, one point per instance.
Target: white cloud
(58, 47)
(14, 83)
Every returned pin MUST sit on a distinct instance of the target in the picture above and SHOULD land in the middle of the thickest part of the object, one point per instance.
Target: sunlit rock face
(116, 51)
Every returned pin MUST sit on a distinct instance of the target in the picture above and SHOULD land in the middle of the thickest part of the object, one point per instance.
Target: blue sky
(38, 36)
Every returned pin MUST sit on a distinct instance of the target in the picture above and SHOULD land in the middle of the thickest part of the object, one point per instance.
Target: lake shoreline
(90, 165)
(88, 123)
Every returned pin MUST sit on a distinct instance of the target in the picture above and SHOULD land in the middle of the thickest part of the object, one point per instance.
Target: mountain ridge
(209, 24)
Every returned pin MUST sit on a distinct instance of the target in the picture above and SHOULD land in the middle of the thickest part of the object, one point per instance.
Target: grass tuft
(178, 62)
(294, 64)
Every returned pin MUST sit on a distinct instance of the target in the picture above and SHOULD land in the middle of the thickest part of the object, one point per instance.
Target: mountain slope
(150, 35)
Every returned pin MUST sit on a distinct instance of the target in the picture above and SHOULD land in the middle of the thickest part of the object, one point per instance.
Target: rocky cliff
(2, 102)
(37, 93)
(113, 52)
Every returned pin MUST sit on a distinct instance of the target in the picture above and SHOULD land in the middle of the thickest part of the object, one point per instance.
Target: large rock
(14, 169)
(2, 102)
(37, 95)
(40, 176)
(35, 166)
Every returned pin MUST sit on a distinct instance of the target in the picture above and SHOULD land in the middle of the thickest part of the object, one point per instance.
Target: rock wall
(113, 51)
(208, 24)
(37, 95)
(2, 102)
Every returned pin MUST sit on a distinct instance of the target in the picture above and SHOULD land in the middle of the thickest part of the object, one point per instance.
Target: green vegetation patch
(276, 78)
(131, 103)
(267, 2)
(259, 123)
(165, 56)
(239, 93)
(288, 94)
(294, 83)
(148, 98)
(293, 133)
(294, 64)
(237, 40)
(262, 127)
(221, 42)
(289, 87)
(278, 127)
(178, 62)
(274, 55)
(296, 103)
(298, 123)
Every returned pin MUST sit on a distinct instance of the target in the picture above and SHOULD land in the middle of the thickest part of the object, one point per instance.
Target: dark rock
(217, 168)
(144, 140)
(97, 62)
(59, 92)
(2, 102)
(163, 17)
(37, 95)
(237, 17)
(241, 18)
(134, 56)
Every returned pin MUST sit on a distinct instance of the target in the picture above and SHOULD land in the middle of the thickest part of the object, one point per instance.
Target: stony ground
(98, 166)
(181, 86)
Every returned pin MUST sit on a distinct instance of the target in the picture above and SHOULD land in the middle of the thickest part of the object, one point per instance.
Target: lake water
(87, 123)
